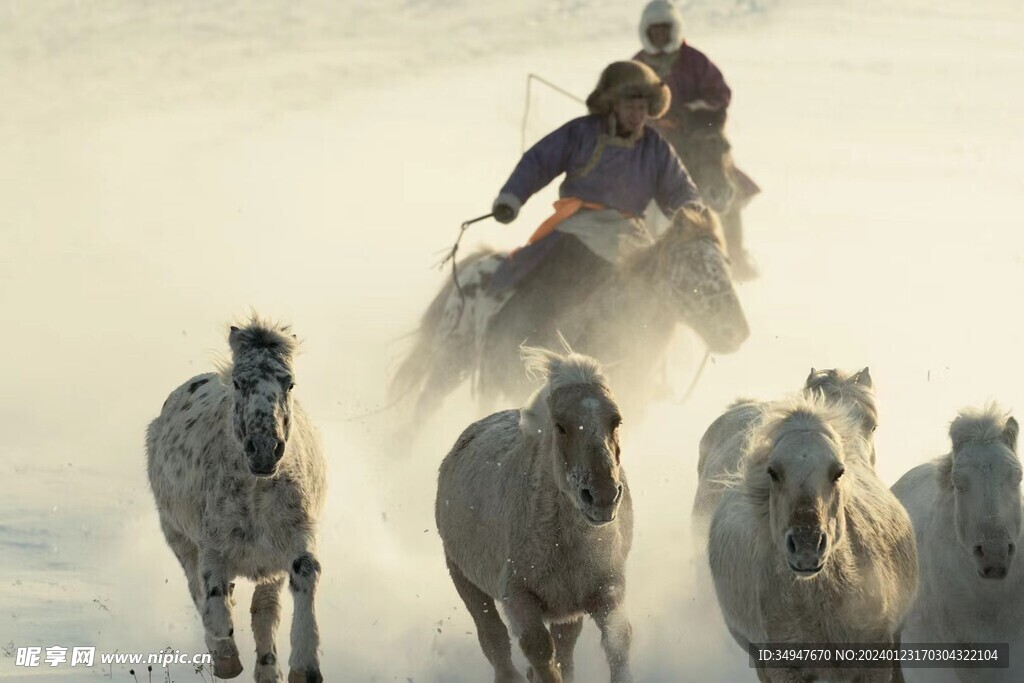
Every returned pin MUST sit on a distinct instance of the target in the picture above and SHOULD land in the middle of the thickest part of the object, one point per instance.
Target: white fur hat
(661, 12)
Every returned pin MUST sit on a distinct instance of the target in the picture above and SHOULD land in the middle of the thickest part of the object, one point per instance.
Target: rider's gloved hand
(506, 207)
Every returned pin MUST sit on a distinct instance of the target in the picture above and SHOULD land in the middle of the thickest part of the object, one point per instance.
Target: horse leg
(565, 634)
(215, 597)
(266, 616)
(303, 577)
(616, 637)
(490, 630)
(527, 619)
(188, 556)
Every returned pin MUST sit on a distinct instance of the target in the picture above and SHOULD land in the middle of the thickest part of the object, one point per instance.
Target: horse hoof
(227, 667)
(308, 676)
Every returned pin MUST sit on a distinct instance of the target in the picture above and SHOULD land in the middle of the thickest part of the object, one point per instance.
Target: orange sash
(565, 208)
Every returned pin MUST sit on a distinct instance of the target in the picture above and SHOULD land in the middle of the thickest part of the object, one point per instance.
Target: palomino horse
(628, 319)
(808, 546)
(966, 508)
(239, 480)
(534, 511)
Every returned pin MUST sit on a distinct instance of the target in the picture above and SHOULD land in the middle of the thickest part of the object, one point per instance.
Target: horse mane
(798, 413)
(257, 333)
(688, 224)
(987, 425)
(557, 372)
(836, 385)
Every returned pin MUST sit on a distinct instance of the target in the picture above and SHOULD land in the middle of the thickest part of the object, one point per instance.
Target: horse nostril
(1012, 548)
(279, 450)
(978, 551)
(250, 447)
(821, 543)
(790, 543)
(587, 497)
(618, 493)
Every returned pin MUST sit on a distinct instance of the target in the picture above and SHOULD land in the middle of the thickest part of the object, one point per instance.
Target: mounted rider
(697, 86)
(615, 164)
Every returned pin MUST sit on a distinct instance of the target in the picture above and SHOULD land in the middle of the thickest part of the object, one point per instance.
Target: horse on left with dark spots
(239, 479)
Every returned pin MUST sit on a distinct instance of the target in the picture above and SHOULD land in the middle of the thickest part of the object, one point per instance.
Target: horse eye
(838, 475)
(238, 386)
(773, 474)
(291, 385)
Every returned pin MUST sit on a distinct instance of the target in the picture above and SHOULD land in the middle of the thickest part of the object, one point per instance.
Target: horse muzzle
(599, 505)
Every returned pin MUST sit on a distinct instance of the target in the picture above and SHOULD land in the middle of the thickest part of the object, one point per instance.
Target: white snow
(165, 166)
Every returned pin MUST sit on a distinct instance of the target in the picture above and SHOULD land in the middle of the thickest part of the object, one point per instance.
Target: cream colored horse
(966, 509)
(535, 513)
(807, 545)
(725, 441)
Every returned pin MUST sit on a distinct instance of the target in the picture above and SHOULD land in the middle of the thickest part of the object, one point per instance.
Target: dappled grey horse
(238, 476)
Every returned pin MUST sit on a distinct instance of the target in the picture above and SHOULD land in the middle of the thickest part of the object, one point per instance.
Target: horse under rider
(614, 165)
(696, 84)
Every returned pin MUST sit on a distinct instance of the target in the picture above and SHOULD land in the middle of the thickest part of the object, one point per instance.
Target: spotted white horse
(239, 480)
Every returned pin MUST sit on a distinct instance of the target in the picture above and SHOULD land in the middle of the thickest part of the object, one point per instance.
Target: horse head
(575, 415)
(983, 472)
(261, 377)
(699, 139)
(690, 265)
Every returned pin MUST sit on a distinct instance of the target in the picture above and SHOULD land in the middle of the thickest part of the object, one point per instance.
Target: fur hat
(661, 12)
(627, 80)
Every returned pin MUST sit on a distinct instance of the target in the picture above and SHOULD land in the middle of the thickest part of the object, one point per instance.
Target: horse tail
(429, 337)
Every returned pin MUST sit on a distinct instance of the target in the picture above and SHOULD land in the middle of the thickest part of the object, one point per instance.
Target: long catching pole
(530, 78)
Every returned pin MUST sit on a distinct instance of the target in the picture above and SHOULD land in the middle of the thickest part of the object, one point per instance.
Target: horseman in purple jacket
(696, 84)
(615, 164)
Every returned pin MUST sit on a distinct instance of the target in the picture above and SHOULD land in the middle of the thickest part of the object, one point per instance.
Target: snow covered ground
(168, 165)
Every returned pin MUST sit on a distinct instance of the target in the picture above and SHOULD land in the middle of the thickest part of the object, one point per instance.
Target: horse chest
(257, 529)
(574, 576)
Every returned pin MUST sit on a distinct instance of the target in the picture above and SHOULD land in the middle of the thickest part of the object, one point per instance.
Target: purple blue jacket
(618, 173)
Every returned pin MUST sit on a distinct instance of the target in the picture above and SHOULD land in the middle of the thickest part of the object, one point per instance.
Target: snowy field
(166, 166)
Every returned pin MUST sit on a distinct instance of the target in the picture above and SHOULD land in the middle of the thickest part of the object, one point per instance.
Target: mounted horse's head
(690, 264)
(262, 379)
(699, 138)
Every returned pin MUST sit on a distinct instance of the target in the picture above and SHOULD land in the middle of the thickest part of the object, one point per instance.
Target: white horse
(966, 509)
(534, 511)
(724, 442)
(239, 480)
(807, 545)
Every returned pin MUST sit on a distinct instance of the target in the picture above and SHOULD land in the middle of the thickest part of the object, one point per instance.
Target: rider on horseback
(698, 87)
(615, 165)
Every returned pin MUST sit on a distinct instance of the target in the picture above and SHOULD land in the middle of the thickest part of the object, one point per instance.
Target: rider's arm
(674, 186)
(541, 164)
(710, 84)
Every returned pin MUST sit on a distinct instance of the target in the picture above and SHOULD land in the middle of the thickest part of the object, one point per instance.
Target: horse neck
(631, 300)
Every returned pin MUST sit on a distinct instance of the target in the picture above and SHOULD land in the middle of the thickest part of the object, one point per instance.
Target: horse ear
(810, 377)
(233, 336)
(863, 378)
(1010, 431)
